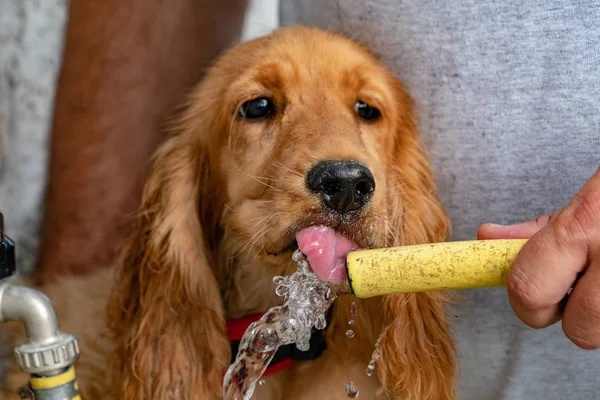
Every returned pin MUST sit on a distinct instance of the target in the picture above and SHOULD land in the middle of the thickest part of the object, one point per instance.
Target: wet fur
(219, 211)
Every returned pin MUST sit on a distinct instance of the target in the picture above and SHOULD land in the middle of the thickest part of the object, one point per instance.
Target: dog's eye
(257, 108)
(365, 111)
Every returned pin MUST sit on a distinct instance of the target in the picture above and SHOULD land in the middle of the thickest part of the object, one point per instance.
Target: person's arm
(127, 64)
(562, 253)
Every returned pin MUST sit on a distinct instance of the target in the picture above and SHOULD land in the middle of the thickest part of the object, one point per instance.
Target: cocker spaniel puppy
(292, 131)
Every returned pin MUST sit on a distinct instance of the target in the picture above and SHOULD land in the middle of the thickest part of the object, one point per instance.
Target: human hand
(563, 252)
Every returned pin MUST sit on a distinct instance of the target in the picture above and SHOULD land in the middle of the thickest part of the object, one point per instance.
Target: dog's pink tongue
(326, 252)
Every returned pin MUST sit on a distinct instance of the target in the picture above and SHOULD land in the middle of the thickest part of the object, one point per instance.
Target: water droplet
(376, 354)
(297, 256)
(351, 390)
(351, 321)
(261, 382)
(294, 292)
(303, 345)
(375, 357)
(353, 308)
(281, 290)
(321, 322)
(304, 267)
(370, 369)
(279, 280)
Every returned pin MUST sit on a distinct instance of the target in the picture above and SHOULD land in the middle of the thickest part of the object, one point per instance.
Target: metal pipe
(49, 354)
(48, 351)
(33, 309)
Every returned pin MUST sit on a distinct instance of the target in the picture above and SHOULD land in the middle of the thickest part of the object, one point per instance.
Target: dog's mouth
(326, 250)
(326, 242)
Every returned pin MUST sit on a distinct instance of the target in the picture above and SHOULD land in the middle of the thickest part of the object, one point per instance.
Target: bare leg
(127, 64)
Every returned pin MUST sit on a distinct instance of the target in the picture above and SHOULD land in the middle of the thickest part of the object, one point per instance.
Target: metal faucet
(49, 354)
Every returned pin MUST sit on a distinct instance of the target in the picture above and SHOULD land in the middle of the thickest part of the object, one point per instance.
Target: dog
(297, 129)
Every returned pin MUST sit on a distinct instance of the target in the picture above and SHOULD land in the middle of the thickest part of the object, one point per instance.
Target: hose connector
(49, 354)
(48, 350)
(42, 360)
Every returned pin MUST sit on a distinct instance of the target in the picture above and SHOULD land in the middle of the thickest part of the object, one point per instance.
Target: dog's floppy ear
(418, 355)
(165, 311)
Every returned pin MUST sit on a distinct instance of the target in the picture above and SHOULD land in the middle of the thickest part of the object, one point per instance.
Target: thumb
(518, 231)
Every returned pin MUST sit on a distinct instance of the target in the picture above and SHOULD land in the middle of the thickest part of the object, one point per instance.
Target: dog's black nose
(342, 185)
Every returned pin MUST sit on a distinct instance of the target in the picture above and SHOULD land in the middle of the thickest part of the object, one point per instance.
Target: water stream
(351, 322)
(306, 300)
(376, 354)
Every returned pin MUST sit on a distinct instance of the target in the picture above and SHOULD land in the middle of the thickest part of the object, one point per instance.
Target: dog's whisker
(257, 178)
(259, 181)
(265, 178)
(391, 232)
(265, 227)
(265, 202)
(255, 237)
(278, 164)
(261, 220)
(258, 235)
(248, 244)
(313, 157)
(263, 249)
(397, 184)
(289, 182)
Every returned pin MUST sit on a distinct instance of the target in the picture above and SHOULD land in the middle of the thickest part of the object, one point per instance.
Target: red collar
(237, 327)
(285, 356)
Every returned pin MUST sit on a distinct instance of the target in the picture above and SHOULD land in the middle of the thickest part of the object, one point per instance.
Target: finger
(518, 231)
(549, 263)
(540, 277)
(581, 319)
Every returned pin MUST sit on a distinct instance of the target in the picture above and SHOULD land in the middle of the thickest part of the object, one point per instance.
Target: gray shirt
(508, 99)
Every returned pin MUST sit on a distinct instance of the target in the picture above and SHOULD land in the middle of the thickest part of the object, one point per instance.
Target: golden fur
(218, 215)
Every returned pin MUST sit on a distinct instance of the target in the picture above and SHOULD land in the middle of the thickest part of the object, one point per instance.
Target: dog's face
(297, 129)
(309, 126)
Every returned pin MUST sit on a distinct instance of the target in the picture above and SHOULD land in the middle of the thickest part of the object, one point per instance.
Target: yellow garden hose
(438, 266)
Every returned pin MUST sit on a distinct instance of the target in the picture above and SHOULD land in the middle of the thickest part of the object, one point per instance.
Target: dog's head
(297, 129)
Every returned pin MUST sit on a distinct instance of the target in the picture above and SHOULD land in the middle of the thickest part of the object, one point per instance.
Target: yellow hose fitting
(427, 267)
(61, 386)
